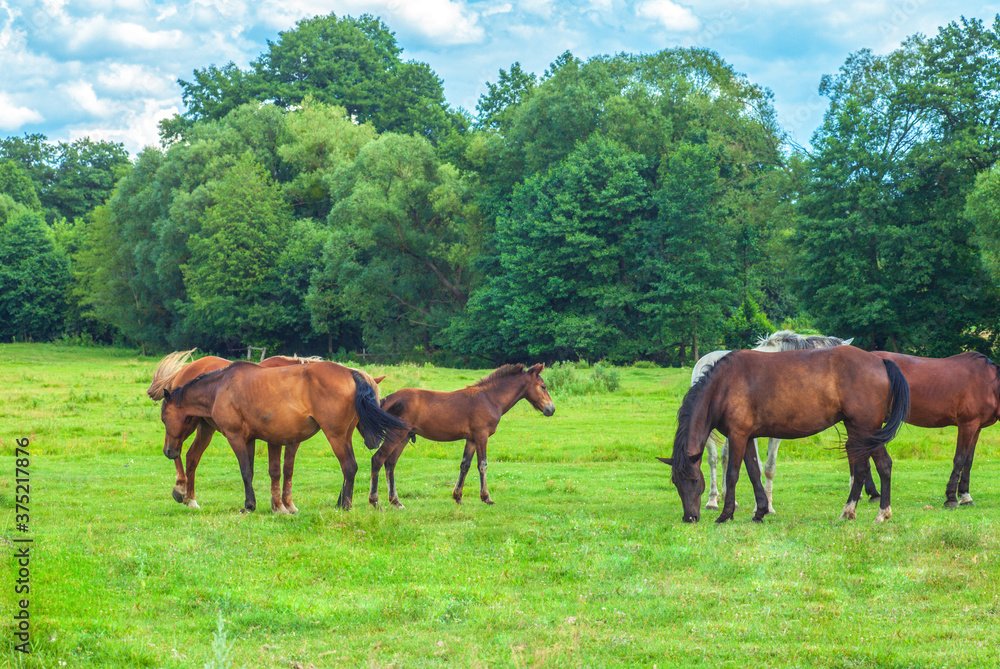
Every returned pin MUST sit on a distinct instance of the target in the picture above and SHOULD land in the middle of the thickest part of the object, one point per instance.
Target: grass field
(583, 561)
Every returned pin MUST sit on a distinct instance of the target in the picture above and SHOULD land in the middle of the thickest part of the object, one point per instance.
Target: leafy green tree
(403, 234)
(567, 285)
(34, 276)
(349, 62)
(86, 172)
(883, 252)
(15, 183)
(234, 285)
(495, 106)
(688, 254)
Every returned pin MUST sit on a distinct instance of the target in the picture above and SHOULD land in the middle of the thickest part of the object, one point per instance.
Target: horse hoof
(487, 500)
(457, 498)
(292, 509)
(279, 509)
(951, 504)
(712, 506)
(723, 518)
(191, 504)
(966, 500)
(884, 515)
(247, 509)
(758, 519)
(177, 495)
(874, 498)
(396, 503)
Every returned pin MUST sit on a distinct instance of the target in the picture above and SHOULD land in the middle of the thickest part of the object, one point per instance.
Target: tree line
(630, 207)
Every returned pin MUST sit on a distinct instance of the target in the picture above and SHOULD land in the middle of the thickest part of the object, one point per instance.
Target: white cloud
(90, 32)
(498, 9)
(137, 129)
(13, 115)
(134, 81)
(674, 17)
(82, 93)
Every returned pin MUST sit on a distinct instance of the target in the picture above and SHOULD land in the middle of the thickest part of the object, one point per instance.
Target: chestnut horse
(961, 390)
(789, 395)
(174, 371)
(282, 405)
(472, 414)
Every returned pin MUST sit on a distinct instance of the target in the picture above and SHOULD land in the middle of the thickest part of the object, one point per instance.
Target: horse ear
(379, 379)
(536, 369)
(666, 461)
(166, 395)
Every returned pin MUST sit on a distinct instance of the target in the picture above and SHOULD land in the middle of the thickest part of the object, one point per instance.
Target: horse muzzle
(548, 409)
(171, 454)
(691, 518)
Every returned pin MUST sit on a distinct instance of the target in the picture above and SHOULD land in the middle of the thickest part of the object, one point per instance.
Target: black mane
(685, 415)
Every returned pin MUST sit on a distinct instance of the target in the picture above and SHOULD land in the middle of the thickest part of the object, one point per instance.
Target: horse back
(793, 394)
(437, 415)
(949, 391)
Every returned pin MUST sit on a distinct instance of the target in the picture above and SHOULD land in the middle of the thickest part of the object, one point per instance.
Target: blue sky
(108, 69)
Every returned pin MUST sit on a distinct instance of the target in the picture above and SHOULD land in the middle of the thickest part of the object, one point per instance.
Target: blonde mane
(298, 359)
(167, 371)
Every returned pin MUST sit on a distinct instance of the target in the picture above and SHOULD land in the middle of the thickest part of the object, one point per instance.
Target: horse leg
(390, 475)
(737, 447)
(963, 485)
(180, 483)
(883, 464)
(340, 442)
(274, 470)
(870, 488)
(244, 450)
(463, 469)
(968, 435)
(203, 437)
(770, 467)
(859, 471)
(484, 494)
(713, 464)
(287, 470)
(752, 461)
(383, 456)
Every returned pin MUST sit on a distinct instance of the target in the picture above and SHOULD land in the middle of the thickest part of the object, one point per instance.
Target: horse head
(690, 483)
(537, 393)
(179, 424)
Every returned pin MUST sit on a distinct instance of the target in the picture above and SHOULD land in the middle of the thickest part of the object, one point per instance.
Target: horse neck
(199, 398)
(507, 392)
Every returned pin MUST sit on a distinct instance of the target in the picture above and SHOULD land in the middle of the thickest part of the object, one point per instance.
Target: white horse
(784, 340)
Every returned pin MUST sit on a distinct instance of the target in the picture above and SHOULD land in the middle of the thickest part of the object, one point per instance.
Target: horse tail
(899, 390)
(166, 372)
(374, 422)
(692, 418)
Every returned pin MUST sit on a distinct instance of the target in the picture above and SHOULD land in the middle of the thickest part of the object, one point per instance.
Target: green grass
(583, 561)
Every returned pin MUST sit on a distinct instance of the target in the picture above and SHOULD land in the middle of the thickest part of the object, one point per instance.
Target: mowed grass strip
(583, 561)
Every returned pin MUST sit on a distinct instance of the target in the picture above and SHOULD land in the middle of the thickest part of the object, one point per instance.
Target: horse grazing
(783, 340)
(961, 390)
(471, 414)
(789, 395)
(174, 371)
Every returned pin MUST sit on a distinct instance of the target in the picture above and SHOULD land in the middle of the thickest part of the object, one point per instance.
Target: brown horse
(789, 395)
(174, 371)
(284, 405)
(961, 390)
(472, 414)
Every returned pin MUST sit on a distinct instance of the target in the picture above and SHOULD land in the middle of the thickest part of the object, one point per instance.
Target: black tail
(373, 422)
(899, 389)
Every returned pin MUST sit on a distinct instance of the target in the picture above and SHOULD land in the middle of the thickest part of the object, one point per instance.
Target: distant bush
(569, 378)
(644, 364)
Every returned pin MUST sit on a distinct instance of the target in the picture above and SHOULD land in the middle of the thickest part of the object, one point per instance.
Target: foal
(471, 414)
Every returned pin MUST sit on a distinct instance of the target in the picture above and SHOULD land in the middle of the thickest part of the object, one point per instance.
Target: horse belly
(280, 427)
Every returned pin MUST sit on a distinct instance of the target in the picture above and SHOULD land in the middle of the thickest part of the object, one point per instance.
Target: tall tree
(34, 276)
